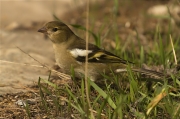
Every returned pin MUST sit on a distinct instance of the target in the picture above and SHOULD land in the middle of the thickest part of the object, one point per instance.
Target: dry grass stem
(174, 53)
(86, 63)
(26, 64)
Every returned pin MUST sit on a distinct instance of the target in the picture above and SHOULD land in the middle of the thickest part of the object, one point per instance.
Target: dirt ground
(20, 20)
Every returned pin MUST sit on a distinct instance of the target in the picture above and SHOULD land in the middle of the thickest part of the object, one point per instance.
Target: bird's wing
(95, 55)
(106, 57)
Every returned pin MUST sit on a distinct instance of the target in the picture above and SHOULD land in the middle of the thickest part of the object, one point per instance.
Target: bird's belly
(65, 63)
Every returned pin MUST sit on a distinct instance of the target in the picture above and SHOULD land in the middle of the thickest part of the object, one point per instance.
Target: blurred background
(120, 26)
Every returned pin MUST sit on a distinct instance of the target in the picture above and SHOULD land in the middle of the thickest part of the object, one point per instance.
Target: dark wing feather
(102, 56)
(98, 55)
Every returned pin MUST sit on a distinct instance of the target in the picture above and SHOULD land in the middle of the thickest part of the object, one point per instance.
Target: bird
(70, 53)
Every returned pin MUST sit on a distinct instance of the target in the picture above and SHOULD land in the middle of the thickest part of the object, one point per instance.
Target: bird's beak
(43, 30)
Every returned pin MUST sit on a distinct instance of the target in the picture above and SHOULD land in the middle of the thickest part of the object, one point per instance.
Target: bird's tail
(147, 72)
(150, 73)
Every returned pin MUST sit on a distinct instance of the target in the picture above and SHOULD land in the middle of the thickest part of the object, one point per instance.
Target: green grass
(127, 101)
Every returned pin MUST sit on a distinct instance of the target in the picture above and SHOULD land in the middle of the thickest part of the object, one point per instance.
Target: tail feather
(152, 73)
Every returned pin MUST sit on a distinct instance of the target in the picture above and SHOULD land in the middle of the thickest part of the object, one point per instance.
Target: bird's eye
(54, 29)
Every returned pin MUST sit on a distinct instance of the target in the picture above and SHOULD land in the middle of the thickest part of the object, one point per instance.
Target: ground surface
(20, 21)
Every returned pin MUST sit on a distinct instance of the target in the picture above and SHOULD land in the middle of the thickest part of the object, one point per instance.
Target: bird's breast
(63, 57)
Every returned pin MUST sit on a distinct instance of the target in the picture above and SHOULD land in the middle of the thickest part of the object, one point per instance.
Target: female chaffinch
(70, 52)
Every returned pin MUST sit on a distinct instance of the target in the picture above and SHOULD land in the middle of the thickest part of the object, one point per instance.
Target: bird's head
(57, 31)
